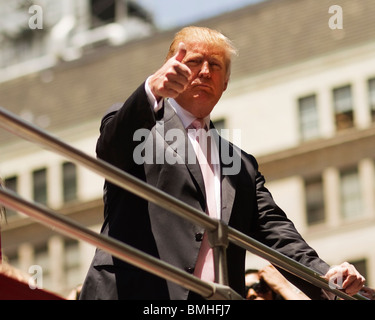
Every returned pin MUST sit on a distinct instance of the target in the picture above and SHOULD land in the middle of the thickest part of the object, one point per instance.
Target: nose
(205, 70)
(251, 294)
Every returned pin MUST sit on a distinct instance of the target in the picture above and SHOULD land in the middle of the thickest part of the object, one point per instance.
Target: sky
(174, 13)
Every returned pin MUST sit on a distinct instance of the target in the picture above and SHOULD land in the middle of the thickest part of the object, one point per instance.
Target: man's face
(253, 292)
(209, 80)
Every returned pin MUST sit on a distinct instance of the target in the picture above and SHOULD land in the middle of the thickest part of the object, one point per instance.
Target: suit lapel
(170, 121)
(228, 181)
(181, 145)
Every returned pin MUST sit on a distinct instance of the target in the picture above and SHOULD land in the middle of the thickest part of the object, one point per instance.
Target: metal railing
(219, 233)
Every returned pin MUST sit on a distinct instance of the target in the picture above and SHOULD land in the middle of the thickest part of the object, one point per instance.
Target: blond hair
(207, 35)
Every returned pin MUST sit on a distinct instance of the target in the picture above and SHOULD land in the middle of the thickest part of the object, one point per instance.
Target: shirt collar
(185, 116)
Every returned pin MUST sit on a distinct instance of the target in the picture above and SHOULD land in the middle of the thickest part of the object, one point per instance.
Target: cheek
(220, 88)
(221, 83)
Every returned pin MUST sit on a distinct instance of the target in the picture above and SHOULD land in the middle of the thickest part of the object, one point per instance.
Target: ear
(226, 84)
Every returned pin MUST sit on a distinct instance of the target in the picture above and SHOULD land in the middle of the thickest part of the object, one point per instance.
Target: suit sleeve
(116, 143)
(275, 230)
(279, 233)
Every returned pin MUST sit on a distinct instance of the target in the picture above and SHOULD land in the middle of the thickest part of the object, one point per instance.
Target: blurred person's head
(14, 273)
(257, 288)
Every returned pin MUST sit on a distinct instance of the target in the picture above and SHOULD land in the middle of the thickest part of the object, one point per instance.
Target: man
(269, 284)
(180, 94)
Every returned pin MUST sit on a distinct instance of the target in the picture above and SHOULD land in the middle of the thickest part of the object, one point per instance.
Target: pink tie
(204, 268)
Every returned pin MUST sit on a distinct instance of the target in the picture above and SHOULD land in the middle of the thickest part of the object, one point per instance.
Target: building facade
(302, 94)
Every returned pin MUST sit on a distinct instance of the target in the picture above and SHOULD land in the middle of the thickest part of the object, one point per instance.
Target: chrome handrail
(68, 227)
(34, 134)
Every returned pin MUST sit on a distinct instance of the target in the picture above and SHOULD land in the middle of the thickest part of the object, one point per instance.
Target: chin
(203, 109)
(200, 114)
(199, 106)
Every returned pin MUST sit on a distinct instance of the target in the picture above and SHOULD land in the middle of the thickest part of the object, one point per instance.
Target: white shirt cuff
(151, 98)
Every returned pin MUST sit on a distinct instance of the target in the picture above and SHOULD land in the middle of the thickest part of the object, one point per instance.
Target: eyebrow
(214, 57)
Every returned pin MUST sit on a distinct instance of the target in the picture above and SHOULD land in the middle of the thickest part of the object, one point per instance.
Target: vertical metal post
(218, 240)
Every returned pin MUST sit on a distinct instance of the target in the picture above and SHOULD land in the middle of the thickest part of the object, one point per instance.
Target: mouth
(202, 85)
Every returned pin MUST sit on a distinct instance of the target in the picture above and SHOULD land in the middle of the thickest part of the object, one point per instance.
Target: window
(314, 201)
(371, 90)
(11, 183)
(12, 258)
(102, 12)
(19, 43)
(41, 259)
(361, 266)
(69, 181)
(219, 124)
(351, 199)
(343, 105)
(40, 186)
(108, 11)
(72, 263)
(308, 118)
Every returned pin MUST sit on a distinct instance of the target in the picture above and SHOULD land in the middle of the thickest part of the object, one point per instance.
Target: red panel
(11, 289)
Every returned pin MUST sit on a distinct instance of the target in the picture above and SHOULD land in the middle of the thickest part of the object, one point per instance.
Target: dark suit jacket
(246, 205)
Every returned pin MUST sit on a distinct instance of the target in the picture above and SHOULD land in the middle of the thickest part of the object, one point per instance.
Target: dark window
(314, 201)
(361, 266)
(343, 104)
(219, 124)
(308, 118)
(71, 263)
(351, 198)
(69, 181)
(42, 261)
(40, 186)
(11, 183)
(103, 11)
(371, 86)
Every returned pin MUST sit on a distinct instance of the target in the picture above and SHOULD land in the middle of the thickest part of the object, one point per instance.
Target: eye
(193, 62)
(216, 65)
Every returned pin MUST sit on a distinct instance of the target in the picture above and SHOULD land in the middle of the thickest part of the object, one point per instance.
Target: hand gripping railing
(219, 234)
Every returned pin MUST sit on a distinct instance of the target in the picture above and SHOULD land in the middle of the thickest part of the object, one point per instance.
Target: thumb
(181, 52)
